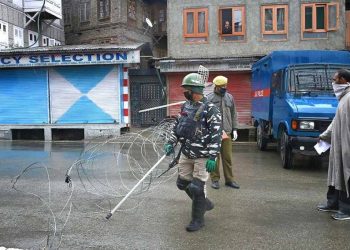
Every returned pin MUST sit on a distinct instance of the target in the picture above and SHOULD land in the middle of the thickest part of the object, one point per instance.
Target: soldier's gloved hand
(168, 149)
(235, 135)
(210, 165)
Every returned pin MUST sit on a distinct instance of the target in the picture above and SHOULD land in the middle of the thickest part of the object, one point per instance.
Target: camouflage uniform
(199, 130)
(206, 143)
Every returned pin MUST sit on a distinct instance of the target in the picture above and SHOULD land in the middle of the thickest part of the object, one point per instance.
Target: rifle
(174, 161)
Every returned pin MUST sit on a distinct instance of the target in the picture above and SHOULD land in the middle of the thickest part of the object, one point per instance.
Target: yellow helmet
(220, 81)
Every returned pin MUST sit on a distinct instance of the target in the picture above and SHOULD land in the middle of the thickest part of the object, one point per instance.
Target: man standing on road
(338, 133)
(198, 129)
(224, 101)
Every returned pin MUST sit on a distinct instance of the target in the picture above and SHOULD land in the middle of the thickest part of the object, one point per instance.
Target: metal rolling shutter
(85, 94)
(23, 96)
(239, 86)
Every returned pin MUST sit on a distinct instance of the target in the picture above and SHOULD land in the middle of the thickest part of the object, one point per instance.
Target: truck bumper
(303, 145)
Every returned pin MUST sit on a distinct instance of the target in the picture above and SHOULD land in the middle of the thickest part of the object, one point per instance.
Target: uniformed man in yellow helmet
(225, 102)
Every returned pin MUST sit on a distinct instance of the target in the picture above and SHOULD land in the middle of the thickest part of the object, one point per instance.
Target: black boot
(208, 204)
(198, 210)
(185, 185)
(198, 206)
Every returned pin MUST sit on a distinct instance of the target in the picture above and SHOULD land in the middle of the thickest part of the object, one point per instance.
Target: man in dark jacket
(198, 129)
(338, 134)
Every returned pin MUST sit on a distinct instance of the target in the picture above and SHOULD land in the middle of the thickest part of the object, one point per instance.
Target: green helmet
(193, 79)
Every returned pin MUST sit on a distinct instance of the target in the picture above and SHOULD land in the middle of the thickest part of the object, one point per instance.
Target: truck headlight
(306, 125)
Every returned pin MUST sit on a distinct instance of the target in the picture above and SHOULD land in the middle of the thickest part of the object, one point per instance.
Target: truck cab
(293, 99)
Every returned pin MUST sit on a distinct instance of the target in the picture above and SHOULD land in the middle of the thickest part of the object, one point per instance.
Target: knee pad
(181, 183)
(197, 187)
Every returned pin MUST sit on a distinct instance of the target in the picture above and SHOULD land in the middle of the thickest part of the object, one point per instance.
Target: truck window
(311, 79)
(276, 80)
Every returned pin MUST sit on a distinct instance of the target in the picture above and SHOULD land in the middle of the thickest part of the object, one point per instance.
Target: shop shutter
(23, 96)
(85, 94)
(239, 86)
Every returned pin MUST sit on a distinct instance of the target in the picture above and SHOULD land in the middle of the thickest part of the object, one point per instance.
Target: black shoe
(215, 185)
(326, 208)
(208, 204)
(232, 184)
(195, 225)
(341, 216)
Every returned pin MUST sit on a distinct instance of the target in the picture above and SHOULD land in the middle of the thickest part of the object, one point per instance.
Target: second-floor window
(317, 19)
(33, 39)
(51, 42)
(84, 9)
(4, 35)
(195, 23)
(232, 23)
(274, 22)
(103, 9)
(44, 41)
(18, 40)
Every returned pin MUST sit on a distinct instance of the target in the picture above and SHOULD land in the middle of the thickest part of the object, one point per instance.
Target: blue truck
(293, 99)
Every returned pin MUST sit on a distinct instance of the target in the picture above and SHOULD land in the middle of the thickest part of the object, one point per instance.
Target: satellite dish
(149, 23)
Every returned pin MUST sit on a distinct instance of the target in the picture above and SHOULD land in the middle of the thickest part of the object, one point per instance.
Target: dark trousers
(338, 200)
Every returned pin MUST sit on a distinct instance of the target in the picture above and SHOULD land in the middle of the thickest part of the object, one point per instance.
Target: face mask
(222, 91)
(188, 95)
(339, 88)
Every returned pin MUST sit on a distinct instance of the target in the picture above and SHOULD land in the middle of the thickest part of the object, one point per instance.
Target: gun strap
(197, 116)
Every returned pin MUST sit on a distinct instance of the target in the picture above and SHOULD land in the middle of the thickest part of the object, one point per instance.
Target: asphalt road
(273, 209)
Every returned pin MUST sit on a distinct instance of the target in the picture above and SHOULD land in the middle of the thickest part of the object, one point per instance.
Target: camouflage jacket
(207, 141)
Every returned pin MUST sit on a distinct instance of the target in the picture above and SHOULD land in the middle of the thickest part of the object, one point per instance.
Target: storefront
(56, 88)
(237, 70)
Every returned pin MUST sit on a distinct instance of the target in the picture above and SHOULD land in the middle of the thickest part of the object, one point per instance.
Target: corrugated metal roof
(72, 48)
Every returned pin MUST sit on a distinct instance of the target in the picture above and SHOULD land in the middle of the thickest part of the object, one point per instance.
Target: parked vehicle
(293, 99)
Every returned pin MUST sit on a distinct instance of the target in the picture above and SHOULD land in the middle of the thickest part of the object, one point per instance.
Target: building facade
(27, 23)
(227, 37)
(116, 22)
(65, 92)
(126, 22)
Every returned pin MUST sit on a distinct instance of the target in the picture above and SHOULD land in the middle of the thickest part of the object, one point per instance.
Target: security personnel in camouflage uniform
(199, 129)
(224, 101)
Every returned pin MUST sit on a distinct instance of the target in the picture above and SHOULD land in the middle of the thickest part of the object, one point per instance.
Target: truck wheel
(285, 151)
(261, 142)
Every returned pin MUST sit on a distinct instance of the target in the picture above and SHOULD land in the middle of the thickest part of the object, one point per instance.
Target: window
(84, 11)
(51, 42)
(274, 22)
(45, 41)
(132, 9)
(195, 25)
(4, 35)
(319, 18)
(276, 82)
(103, 9)
(18, 37)
(232, 23)
(33, 36)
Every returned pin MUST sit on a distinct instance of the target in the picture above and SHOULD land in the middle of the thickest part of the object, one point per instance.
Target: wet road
(274, 209)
